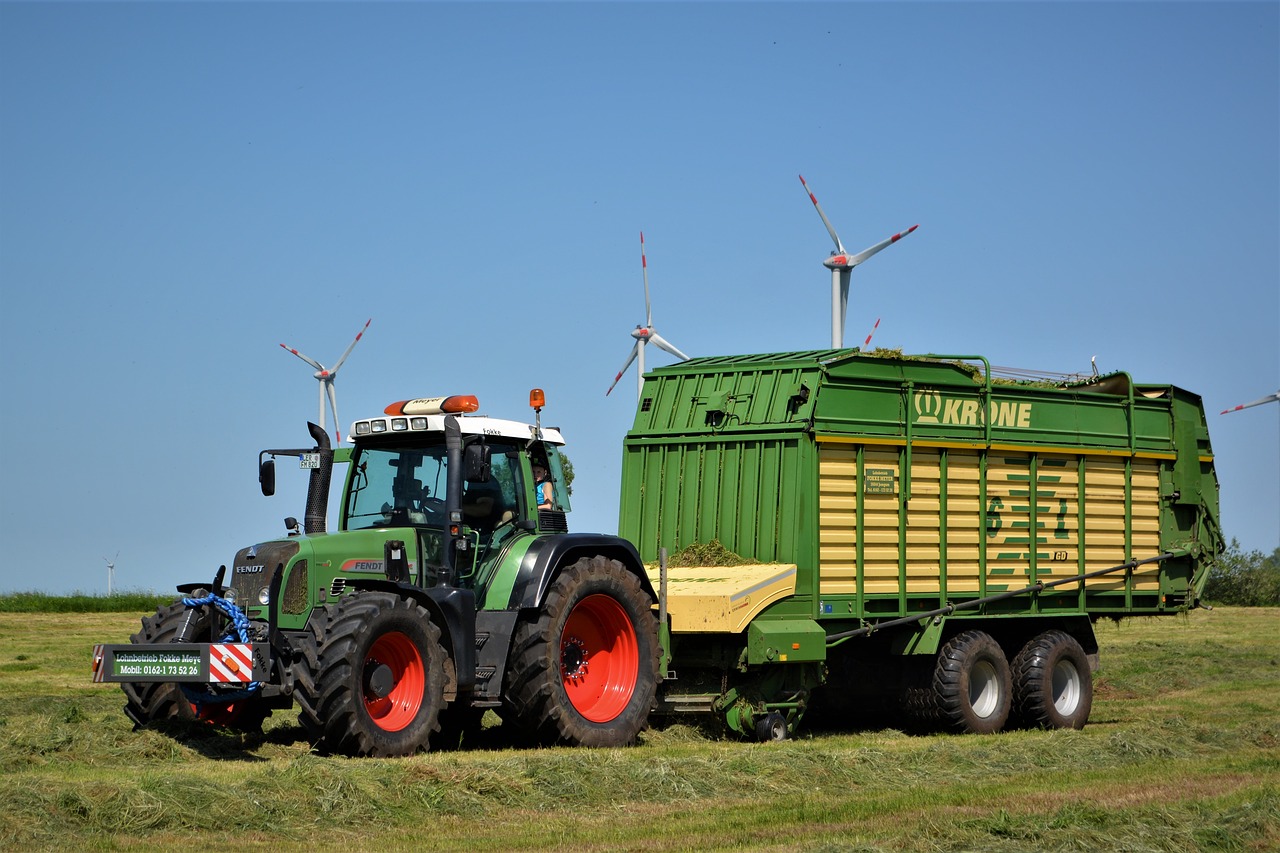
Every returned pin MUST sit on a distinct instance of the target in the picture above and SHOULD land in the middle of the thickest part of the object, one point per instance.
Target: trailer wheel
(972, 686)
(375, 684)
(1052, 684)
(772, 728)
(152, 702)
(584, 669)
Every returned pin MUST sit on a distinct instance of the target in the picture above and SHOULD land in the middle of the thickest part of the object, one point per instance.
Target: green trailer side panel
(746, 493)
(900, 484)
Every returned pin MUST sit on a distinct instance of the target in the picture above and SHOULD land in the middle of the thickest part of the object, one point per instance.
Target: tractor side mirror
(475, 464)
(267, 476)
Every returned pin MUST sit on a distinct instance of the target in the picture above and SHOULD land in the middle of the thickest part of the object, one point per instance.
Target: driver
(416, 496)
(483, 505)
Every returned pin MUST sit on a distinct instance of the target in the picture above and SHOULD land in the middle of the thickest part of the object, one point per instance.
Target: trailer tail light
(456, 404)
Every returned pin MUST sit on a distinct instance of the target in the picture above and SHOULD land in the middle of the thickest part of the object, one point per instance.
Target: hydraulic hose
(866, 630)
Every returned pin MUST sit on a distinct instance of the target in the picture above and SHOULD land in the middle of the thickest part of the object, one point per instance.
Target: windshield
(396, 487)
(401, 487)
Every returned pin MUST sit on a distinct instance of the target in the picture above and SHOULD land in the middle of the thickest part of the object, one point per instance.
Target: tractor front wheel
(152, 702)
(584, 669)
(375, 683)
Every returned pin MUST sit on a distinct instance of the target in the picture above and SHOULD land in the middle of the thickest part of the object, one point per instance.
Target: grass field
(1182, 753)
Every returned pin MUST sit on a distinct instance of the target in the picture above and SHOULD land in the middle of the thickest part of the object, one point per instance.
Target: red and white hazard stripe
(231, 663)
(98, 670)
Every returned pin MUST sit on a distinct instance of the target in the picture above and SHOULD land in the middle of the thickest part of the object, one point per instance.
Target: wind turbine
(644, 334)
(1270, 398)
(326, 377)
(841, 263)
(111, 572)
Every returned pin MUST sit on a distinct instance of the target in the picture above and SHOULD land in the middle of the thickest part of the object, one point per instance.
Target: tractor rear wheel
(972, 689)
(584, 669)
(151, 702)
(375, 683)
(1052, 684)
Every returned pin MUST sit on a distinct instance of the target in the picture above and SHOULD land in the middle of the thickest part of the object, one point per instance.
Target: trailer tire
(1052, 684)
(156, 702)
(584, 668)
(772, 728)
(972, 686)
(375, 684)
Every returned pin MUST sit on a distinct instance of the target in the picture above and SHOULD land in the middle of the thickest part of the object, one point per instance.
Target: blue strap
(238, 618)
(241, 623)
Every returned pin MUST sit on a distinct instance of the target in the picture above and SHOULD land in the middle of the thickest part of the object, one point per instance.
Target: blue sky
(183, 187)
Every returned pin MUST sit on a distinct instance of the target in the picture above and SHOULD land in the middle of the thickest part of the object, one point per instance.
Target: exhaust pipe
(318, 487)
(452, 501)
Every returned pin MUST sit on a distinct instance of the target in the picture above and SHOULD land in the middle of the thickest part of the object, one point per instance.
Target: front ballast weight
(169, 672)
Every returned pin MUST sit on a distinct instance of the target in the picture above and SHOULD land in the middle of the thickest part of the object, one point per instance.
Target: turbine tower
(645, 334)
(841, 263)
(111, 573)
(326, 376)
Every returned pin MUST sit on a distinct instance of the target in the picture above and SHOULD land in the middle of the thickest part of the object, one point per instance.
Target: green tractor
(452, 586)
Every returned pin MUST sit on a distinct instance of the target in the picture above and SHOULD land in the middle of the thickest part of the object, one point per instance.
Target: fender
(545, 557)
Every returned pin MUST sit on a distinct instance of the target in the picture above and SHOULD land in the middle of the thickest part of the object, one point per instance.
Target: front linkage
(199, 658)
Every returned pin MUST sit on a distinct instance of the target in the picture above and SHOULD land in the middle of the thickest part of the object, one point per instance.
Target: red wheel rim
(398, 708)
(599, 658)
(220, 713)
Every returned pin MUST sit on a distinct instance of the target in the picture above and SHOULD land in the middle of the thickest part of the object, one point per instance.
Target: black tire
(158, 702)
(595, 612)
(771, 728)
(373, 685)
(972, 687)
(1052, 683)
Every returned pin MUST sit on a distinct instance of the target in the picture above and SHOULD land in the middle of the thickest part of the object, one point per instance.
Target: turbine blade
(832, 231)
(883, 244)
(664, 344)
(635, 348)
(333, 406)
(644, 268)
(311, 361)
(867, 342)
(359, 335)
(1270, 398)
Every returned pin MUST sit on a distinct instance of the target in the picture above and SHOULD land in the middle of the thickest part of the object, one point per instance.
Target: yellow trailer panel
(714, 599)
(980, 521)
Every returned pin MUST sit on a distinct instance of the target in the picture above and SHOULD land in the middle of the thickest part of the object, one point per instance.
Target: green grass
(1182, 753)
(78, 602)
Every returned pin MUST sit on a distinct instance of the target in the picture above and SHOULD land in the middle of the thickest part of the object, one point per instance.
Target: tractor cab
(403, 476)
